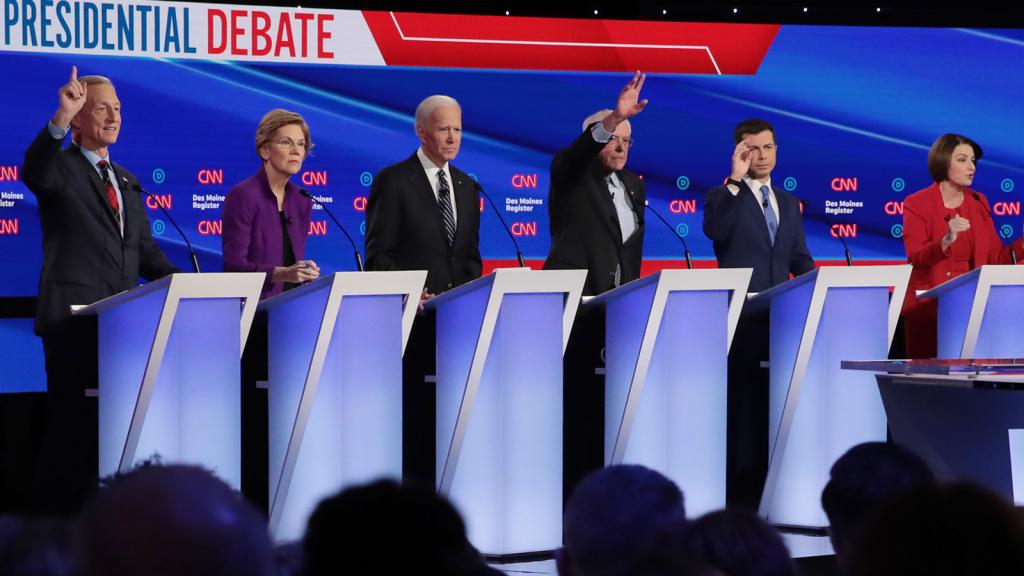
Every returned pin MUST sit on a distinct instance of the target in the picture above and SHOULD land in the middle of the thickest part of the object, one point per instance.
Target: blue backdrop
(855, 110)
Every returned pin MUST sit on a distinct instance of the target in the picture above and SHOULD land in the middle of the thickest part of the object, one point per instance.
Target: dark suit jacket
(251, 240)
(404, 230)
(85, 259)
(585, 233)
(736, 226)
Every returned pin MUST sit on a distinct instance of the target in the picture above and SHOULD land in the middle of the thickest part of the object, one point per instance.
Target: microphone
(686, 249)
(191, 252)
(519, 253)
(846, 248)
(359, 257)
(1013, 251)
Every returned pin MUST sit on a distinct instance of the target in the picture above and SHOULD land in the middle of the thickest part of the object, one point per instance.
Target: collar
(755, 185)
(428, 164)
(91, 156)
(289, 187)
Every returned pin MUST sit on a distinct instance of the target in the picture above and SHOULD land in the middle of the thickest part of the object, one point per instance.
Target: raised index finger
(74, 74)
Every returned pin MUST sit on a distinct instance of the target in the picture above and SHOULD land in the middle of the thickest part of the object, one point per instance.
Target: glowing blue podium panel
(169, 371)
(817, 411)
(981, 313)
(500, 341)
(666, 362)
(335, 388)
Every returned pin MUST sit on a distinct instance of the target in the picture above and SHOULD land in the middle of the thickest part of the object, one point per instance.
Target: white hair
(601, 115)
(596, 117)
(431, 103)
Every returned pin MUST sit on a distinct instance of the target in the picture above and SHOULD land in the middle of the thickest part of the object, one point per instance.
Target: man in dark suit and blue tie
(753, 225)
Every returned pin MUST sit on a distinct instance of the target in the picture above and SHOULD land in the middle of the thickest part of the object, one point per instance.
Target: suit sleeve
(473, 259)
(153, 263)
(800, 261)
(722, 211)
(572, 162)
(40, 172)
(237, 222)
(922, 251)
(383, 221)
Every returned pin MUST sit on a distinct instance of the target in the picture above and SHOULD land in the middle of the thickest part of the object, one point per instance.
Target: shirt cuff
(600, 134)
(55, 131)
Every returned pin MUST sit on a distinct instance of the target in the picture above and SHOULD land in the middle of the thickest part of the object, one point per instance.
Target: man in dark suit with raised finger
(96, 243)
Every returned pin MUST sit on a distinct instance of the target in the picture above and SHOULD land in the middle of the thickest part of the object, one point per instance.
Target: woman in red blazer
(947, 230)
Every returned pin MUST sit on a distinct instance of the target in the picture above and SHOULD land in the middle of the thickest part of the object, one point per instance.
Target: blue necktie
(769, 214)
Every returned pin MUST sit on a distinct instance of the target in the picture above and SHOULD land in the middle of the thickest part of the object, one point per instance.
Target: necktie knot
(765, 192)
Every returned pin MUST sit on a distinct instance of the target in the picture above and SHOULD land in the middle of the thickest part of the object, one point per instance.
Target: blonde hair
(278, 118)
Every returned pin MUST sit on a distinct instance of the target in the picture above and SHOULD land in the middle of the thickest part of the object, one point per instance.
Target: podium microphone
(686, 249)
(191, 252)
(359, 257)
(1013, 251)
(519, 253)
(846, 248)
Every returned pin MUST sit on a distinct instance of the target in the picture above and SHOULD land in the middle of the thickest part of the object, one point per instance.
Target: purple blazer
(251, 234)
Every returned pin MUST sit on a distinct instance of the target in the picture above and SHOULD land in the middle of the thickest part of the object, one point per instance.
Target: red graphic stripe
(497, 42)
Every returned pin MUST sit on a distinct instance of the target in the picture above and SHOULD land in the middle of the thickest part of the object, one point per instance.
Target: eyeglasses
(288, 144)
(626, 141)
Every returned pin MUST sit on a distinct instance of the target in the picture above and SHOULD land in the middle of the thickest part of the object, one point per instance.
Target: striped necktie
(444, 200)
(111, 193)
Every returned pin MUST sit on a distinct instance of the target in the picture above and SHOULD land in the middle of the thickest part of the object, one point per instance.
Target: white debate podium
(169, 371)
(334, 400)
(981, 313)
(666, 364)
(500, 341)
(817, 411)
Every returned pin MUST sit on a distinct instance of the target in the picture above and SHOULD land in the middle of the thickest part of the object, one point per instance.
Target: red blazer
(924, 225)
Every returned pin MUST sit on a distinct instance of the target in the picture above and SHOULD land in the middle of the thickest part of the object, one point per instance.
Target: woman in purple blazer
(265, 218)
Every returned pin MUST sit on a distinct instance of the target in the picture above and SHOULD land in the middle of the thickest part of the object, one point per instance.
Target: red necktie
(111, 193)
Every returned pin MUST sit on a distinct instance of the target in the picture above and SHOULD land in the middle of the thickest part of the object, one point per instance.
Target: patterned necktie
(444, 200)
(111, 193)
(769, 214)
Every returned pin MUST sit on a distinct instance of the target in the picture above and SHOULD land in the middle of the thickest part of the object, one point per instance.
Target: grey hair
(431, 103)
